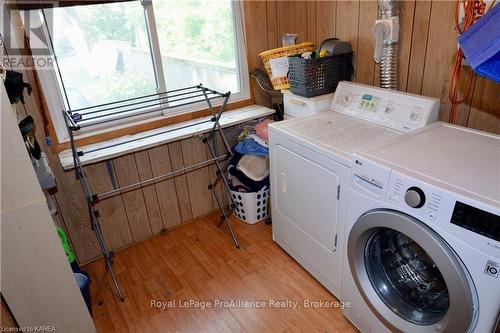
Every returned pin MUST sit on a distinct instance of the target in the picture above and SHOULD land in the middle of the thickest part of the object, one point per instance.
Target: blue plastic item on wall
(481, 45)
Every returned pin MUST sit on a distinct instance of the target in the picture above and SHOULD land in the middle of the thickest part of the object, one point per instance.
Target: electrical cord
(473, 10)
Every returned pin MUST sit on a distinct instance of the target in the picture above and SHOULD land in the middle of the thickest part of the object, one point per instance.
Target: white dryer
(423, 233)
(310, 166)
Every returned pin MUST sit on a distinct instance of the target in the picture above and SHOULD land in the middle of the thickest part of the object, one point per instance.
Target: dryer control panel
(390, 108)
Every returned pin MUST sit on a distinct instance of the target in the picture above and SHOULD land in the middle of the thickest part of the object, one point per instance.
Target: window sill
(105, 150)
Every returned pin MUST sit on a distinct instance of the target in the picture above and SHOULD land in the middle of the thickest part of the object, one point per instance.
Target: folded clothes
(242, 179)
(250, 146)
(254, 167)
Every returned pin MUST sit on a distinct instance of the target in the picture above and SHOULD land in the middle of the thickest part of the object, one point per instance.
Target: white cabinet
(298, 106)
(37, 281)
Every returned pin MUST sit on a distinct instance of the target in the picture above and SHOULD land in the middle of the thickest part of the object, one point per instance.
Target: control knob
(388, 109)
(346, 100)
(415, 197)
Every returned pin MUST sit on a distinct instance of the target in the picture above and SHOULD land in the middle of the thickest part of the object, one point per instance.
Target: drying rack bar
(198, 87)
(132, 107)
(70, 123)
(145, 99)
(131, 187)
(76, 119)
(138, 113)
(135, 107)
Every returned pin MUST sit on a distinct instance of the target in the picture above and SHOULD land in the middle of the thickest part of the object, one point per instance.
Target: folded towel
(239, 179)
(254, 167)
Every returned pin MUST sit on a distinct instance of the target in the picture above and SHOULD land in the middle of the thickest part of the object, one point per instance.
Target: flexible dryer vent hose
(389, 66)
(389, 61)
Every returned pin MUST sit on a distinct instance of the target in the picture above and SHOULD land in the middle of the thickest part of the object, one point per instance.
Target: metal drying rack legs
(84, 117)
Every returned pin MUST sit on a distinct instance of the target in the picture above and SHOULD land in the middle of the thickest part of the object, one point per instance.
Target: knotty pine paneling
(181, 187)
(150, 196)
(167, 196)
(440, 55)
(421, 20)
(365, 68)
(484, 113)
(347, 25)
(426, 50)
(135, 206)
(193, 152)
(113, 218)
(325, 20)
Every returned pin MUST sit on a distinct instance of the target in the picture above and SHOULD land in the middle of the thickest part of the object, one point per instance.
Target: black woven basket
(318, 76)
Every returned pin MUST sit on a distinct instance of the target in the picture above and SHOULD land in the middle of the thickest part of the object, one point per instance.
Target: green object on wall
(66, 246)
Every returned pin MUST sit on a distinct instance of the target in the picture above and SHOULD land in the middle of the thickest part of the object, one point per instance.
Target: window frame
(50, 84)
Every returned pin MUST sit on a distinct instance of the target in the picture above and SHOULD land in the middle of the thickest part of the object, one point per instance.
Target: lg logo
(492, 268)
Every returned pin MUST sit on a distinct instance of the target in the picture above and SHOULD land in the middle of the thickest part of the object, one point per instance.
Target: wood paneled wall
(426, 50)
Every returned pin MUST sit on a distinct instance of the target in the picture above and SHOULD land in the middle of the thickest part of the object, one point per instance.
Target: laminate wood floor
(198, 262)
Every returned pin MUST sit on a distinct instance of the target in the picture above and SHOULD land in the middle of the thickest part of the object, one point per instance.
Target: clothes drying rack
(136, 107)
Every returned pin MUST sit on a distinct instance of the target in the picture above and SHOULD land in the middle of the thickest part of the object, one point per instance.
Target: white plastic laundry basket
(251, 207)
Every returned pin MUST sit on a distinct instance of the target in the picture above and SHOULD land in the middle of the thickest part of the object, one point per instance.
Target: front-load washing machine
(423, 233)
(310, 161)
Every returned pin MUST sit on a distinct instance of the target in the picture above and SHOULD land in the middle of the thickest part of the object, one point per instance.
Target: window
(103, 53)
(113, 52)
(197, 43)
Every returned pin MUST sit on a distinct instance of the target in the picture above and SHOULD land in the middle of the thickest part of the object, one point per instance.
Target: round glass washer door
(408, 275)
(405, 277)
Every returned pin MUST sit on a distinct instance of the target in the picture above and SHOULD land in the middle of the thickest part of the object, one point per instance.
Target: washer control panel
(439, 207)
(390, 108)
(424, 201)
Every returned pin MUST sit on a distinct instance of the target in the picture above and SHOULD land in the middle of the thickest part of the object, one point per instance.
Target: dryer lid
(335, 132)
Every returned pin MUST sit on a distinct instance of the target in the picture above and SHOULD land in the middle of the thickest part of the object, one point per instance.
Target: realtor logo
(33, 23)
(37, 27)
